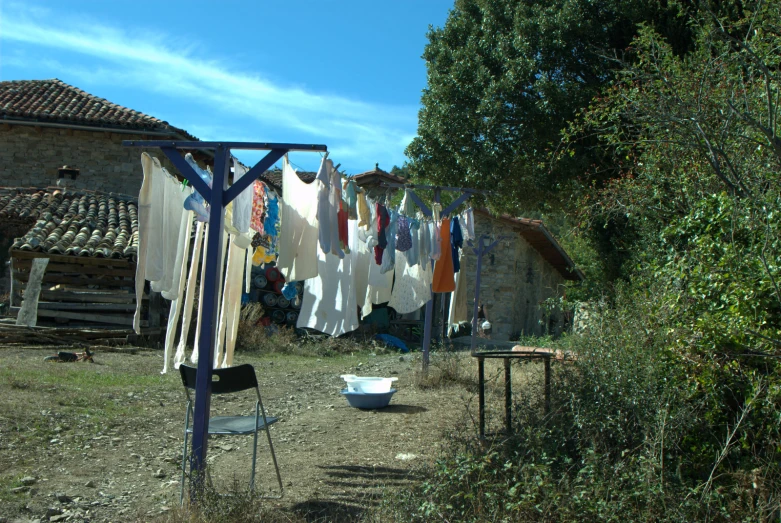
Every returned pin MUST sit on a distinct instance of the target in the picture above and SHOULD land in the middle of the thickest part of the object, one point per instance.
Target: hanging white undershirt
(412, 288)
(363, 258)
(231, 298)
(176, 303)
(192, 283)
(329, 304)
(299, 228)
(144, 227)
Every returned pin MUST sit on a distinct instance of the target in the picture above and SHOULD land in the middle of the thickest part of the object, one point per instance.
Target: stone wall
(30, 157)
(515, 280)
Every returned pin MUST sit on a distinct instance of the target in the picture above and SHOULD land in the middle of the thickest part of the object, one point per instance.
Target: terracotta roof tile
(54, 101)
(72, 223)
(274, 178)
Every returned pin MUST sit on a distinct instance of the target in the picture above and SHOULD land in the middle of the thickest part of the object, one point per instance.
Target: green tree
(506, 76)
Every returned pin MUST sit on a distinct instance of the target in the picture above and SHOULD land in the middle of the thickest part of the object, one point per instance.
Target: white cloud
(362, 132)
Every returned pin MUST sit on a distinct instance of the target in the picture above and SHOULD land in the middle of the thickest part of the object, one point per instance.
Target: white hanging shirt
(299, 227)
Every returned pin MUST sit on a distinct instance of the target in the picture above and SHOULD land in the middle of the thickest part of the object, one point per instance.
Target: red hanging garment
(444, 275)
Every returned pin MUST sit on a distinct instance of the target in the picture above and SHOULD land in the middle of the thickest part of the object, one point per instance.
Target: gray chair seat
(235, 425)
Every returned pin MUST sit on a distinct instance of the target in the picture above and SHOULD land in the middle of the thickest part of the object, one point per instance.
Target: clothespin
(184, 184)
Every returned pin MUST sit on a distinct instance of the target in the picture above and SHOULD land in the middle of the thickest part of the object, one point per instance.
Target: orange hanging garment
(444, 276)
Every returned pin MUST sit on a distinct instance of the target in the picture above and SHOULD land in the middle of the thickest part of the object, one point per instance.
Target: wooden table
(507, 356)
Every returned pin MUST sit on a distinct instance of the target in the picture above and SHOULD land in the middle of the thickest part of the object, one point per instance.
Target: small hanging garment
(343, 228)
(323, 181)
(389, 255)
(351, 197)
(444, 280)
(403, 235)
(364, 212)
(242, 204)
(458, 306)
(258, 207)
(413, 254)
(383, 220)
(469, 220)
(425, 242)
(195, 201)
(456, 242)
(407, 205)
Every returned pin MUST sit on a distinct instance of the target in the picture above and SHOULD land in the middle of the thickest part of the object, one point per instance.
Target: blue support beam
(458, 201)
(218, 196)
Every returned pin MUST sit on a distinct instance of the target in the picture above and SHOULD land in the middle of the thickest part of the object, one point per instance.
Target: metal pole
(209, 310)
(481, 395)
(508, 395)
(429, 315)
(479, 252)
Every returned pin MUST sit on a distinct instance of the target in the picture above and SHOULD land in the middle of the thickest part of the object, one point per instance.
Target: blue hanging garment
(290, 290)
(456, 242)
(272, 215)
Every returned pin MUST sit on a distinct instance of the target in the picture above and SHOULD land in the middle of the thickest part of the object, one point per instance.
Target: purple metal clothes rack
(218, 196)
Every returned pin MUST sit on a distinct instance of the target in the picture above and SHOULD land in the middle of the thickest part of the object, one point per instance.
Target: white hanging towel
(231, 305)
(329, 304)
(458, 305)
(144, 227)
(299, 228)
(173, 220)
(362, 260)
(192, 283)
(176, 303)
(220, 277)
(412, 288)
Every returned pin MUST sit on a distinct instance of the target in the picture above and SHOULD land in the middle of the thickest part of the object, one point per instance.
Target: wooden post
(28, 314)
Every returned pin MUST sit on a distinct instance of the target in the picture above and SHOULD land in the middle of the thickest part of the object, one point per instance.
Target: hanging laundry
(469, 220)
(192, 283)
(425, 242)
(443, 270)
(195, 201)
(242, 204)
(342, 218)
(383, 220)
(456, 242)
(230, 307)
(403, 235)
(351, 197)
(364, 212)
(362, 261)
(413, 254)
(329, 198)
(290, 290)
(271, 222)
(176, 303)
(258, 206)
(412, 287)
(220, 281)
(458, 304)
(389, 255)
(299, 231)
(329, 304)
(407, 205)
(151, 184)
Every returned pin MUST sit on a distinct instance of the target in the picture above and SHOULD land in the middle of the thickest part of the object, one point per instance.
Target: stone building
(48, 124)
(526, 268)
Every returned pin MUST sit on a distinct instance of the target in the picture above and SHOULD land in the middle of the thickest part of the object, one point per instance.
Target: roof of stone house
(55, 102)
(376, 176)
(76, 223)
(273, 178)
(538, 236)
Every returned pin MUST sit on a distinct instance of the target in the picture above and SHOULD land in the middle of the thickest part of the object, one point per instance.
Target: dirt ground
(102, 442)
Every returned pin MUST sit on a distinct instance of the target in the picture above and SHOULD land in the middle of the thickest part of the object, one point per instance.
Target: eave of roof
(538, 236)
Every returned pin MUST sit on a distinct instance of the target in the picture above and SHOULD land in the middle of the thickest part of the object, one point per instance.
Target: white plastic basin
(369, 384)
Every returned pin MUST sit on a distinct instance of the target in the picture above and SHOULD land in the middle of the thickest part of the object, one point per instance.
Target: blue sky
(346, 73)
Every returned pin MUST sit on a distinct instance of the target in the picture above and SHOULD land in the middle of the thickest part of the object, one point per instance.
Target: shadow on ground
(357, 488)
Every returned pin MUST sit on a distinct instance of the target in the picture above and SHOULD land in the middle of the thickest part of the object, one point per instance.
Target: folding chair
(228, 381)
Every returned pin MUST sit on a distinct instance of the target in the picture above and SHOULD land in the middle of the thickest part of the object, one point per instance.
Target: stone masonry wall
(515, 280)
(30, 158)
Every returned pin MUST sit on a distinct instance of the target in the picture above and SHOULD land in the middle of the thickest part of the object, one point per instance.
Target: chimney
(66, 175)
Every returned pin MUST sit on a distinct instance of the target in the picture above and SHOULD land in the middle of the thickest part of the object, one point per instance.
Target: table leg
(547, 385)
(481, 395)
(508, 396)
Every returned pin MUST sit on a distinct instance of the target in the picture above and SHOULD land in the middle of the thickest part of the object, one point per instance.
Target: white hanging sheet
(412, 288)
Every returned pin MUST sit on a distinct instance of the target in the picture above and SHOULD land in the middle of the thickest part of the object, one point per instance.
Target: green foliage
(506, 76)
